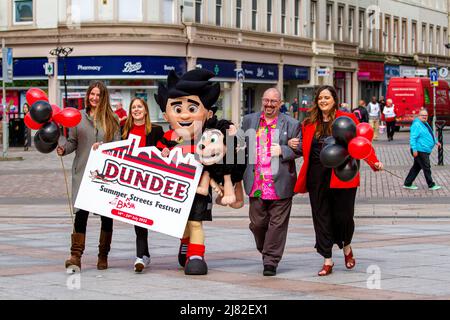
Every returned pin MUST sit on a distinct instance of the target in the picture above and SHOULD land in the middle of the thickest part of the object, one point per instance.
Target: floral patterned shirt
(263, 186)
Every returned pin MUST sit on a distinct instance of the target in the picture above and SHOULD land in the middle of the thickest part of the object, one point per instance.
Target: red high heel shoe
(327, 268)
(350, 262)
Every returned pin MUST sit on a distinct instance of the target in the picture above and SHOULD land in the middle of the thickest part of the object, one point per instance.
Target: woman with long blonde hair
(138, 123)
(98, 124)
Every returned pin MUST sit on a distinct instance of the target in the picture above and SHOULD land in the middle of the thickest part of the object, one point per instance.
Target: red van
(411, 94)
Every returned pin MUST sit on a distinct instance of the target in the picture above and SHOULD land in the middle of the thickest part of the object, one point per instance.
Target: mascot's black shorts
(201, 208)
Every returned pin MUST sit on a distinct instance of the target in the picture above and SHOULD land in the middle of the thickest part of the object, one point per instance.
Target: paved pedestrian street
(401, 244)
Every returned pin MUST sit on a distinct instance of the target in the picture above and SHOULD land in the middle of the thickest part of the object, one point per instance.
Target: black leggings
(81, 218)
(141, 242)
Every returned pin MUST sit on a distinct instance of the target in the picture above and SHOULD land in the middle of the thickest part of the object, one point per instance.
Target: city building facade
(250, 45)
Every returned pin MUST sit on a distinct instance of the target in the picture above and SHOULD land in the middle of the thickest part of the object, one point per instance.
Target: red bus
(411, 94)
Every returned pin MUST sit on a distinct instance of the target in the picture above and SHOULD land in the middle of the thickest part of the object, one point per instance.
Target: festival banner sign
(139, 186)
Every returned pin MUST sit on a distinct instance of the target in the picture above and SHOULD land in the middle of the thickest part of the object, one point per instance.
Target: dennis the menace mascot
(187, 102)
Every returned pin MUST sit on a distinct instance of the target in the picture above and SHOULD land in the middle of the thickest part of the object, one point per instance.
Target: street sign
(49, 68)
(323, 72)
(240, 76)
(443, 72)
(433, 77)
(7, 65)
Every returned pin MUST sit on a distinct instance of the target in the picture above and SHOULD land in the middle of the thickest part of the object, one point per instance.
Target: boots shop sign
(122, 66)
(138, 186)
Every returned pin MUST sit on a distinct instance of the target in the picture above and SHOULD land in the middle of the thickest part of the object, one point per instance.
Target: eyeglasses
(423, 115)
(267, 101)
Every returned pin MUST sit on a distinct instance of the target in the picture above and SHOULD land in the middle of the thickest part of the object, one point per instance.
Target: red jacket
(308, 132)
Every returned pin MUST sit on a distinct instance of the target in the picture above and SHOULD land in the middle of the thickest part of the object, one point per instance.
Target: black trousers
(81, 218)
(333, 211)
(421, 162)
(390, 129)
(141, 242)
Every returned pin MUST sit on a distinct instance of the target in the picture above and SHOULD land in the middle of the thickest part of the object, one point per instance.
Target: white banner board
(139, 186)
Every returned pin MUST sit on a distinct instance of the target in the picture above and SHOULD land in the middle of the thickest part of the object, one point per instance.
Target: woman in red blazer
(332, 200)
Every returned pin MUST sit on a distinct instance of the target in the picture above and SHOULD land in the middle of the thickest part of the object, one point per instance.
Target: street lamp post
(63, 52)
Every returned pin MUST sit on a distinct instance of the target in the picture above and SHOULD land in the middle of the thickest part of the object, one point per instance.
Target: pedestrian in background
(294, 109)
(389, 117)
(332, 200)
(270, 177)
(27, 131)
(98, 124)
(382, 103)
(138, 123)
(374, 116)
(361, 112)
(121, 113)
(422, 142)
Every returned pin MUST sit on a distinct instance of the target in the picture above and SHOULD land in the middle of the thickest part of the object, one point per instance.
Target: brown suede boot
(103, 249)
(76, 250)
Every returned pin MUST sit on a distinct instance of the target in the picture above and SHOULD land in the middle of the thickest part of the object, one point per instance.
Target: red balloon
(364, 130)
(359, 148)
(35, 94)
(55, 109)
(30, 123)
(68, 117)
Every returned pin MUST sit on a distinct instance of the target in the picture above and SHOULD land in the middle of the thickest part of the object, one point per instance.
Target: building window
(414, 37)
(83, 10)
(254, 14)
(362, 18)
(269, 15)
(430, 40)
(328, 20)
(351, 21)
(129, 10)
(395, 38)
(23, 11)
(438, 40)
(387, 34)
(218, 12)
(297, 17)
(340, 23)
(313, 19)
(167, 13)
(372, 22)
(283, 16)
(424, 38)
(238, 13)
(445, 34)
(198, 11)
(404, 44)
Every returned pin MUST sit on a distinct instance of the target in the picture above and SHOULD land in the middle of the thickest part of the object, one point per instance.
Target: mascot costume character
(187, 103)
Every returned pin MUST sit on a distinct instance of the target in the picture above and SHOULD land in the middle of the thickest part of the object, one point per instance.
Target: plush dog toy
(223, 157)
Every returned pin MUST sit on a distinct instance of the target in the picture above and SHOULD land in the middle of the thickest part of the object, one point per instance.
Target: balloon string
(67, 192)
(371, 163)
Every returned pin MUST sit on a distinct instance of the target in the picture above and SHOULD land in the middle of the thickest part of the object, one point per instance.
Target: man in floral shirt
(270, 176)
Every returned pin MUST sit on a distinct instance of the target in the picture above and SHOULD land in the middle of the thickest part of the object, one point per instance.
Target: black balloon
(348, 170)
(43, 147)
(41, 111)
(49, 133)
(333, 155)
(344, 130)
(329, 140)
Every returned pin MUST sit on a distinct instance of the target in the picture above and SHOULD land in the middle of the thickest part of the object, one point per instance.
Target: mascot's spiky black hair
(192, 83)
